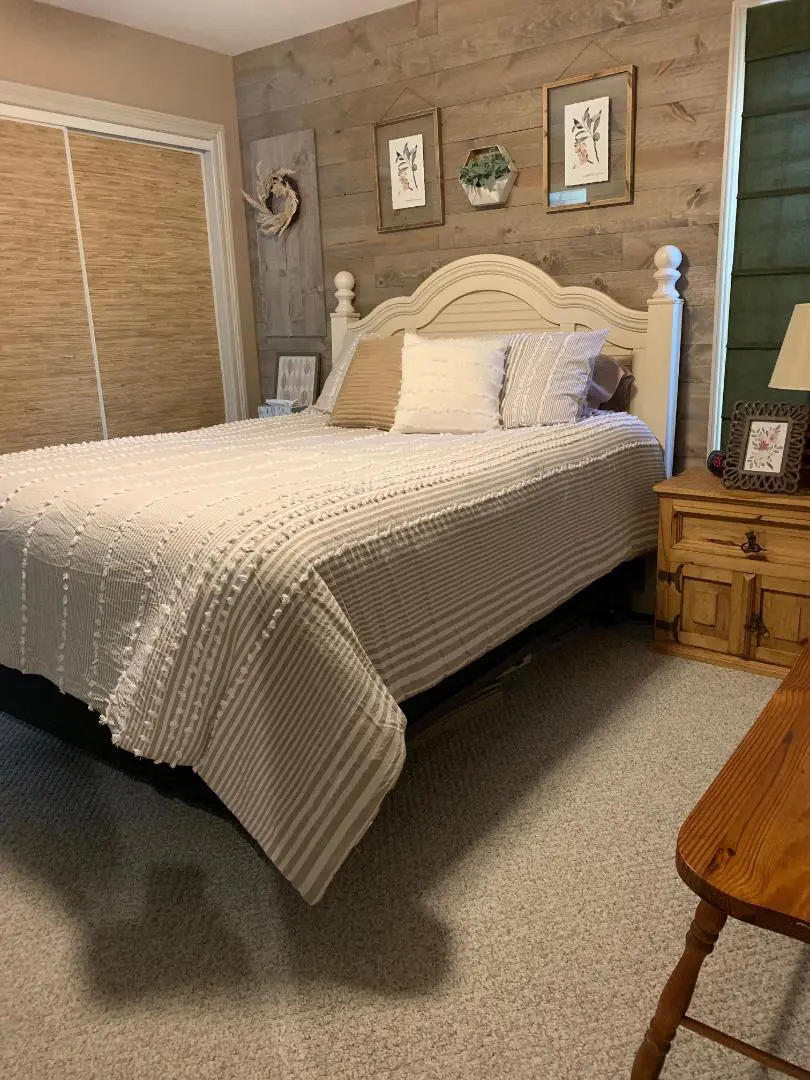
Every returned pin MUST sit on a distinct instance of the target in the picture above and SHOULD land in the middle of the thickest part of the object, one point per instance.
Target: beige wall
(484, 64)
(59, 50)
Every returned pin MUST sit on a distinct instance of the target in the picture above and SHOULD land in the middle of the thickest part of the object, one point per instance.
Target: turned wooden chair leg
(677, 994)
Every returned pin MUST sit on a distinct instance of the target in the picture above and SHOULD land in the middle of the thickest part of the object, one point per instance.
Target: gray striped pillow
(548, 375)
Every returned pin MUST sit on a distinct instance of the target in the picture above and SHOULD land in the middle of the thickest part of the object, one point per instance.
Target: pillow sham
(450, 385)
(340, 365)
(607, 374)
(547, 376)
(611, 386)
(620, 402)
(370, 391)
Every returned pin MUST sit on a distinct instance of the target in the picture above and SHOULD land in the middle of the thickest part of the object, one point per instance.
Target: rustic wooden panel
(148, 259)
(47, 378)
(484, 66)
(676, 57)
(291, 266)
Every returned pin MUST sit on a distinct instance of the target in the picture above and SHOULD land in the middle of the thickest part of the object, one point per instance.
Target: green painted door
(771, 269)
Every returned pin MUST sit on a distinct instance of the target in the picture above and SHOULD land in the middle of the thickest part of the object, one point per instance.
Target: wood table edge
(742, 910)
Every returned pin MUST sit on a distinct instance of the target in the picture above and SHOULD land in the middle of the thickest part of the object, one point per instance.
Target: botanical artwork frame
(594, 115)
(404, 146)
(766, 446)
(298, 378)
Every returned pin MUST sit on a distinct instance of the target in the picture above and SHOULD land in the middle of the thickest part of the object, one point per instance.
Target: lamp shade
(792, 369)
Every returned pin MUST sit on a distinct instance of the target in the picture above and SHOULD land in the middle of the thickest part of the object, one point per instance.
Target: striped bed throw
(254, 599)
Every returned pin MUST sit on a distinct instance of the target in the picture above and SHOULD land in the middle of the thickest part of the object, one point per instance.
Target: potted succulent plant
(488, 176)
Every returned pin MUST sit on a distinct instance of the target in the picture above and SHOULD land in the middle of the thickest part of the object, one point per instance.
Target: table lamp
(792, 368)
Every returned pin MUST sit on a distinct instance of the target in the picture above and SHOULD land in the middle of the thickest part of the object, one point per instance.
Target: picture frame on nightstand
(766, 446)
(299, 378)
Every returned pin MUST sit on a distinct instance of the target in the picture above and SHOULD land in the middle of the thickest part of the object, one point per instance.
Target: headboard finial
(667, 260)
(344, 316)
(344, 291)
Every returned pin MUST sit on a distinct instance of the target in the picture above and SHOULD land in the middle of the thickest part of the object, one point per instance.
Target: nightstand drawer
(745, 537)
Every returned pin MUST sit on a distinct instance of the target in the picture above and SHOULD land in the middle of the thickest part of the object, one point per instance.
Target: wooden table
(745, 851)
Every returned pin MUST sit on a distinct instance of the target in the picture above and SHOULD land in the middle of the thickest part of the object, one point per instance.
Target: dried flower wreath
(274, 184)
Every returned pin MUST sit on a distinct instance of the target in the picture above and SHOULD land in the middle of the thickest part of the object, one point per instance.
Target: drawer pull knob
(756, 625)
(750, 546)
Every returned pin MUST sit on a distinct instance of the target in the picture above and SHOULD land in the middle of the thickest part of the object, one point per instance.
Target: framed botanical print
(766, 446)
(408, 164)
(589, 135)
(298, 378)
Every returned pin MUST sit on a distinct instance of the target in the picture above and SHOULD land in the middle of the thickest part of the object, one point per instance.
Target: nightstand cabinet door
(712, 608)
(781, 620)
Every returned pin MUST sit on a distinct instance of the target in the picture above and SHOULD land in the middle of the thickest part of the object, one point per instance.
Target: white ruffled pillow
(450, 385)
(548, 375)
(340, 365)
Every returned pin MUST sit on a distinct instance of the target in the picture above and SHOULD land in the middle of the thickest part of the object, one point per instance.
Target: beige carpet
(513, 912)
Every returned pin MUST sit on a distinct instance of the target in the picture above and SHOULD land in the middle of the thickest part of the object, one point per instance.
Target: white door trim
(50, 107)
(728, 210)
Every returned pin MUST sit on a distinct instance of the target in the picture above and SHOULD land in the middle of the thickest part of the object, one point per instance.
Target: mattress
(254, 599)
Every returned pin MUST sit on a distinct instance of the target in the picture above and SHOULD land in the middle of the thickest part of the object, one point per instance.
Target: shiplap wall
(484, 63)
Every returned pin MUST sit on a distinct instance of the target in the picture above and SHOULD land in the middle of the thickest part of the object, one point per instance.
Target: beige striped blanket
(253, 599)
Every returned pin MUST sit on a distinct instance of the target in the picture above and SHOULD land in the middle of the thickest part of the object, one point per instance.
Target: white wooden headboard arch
(483, 293)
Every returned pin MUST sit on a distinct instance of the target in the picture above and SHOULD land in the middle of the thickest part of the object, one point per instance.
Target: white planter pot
(483, 198)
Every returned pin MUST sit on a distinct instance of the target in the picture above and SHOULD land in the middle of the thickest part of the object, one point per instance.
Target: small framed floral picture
(589, 135)
(408, 169)
(766, 446)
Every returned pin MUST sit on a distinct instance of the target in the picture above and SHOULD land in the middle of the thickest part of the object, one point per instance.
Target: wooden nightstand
(733, 574)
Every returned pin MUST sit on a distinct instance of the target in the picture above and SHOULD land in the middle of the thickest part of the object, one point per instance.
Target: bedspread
(254, 599)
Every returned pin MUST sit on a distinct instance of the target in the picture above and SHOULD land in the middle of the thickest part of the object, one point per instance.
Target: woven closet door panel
(142, 213)
(48, 391)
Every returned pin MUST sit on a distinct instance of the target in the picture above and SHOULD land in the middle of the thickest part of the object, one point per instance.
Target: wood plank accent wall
(145, 237)
(290, 297)
(484, 65)
(47, 376)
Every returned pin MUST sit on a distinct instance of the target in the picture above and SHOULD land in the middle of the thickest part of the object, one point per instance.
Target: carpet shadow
(374, 926)
(150, 929)
(195, 927)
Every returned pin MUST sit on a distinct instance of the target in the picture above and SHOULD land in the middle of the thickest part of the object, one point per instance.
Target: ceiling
(232, 26)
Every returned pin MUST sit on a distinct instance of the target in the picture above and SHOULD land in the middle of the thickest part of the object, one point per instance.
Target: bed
(254, 599)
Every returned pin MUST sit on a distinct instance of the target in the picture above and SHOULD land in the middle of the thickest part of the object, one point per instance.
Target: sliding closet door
(48, 389)
(145, 239)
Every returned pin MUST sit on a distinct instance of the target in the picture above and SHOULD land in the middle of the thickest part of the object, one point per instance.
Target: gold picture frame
(619, 134)
(427, 126)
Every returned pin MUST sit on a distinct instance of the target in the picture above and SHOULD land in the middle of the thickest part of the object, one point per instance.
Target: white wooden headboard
(483, 293)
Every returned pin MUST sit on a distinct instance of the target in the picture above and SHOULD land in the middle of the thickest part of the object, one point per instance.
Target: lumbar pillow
(450, 385)
(370, 391)
(548, 375)
(340, 365)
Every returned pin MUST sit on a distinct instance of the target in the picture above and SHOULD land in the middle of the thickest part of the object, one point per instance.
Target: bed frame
(498, 292)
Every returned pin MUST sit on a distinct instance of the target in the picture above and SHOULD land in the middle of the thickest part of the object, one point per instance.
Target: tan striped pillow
(370, 391)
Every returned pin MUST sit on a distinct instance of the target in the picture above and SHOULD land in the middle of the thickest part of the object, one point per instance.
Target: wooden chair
(745, 851)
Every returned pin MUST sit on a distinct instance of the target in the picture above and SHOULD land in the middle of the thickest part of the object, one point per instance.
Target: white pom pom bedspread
(254, 599)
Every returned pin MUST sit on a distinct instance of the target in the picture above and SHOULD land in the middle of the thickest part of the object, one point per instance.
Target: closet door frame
(34, 105)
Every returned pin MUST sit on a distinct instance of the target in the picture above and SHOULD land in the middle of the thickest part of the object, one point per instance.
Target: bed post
(657, 372)
(344, 316)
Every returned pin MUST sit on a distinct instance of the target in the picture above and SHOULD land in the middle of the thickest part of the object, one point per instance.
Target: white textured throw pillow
(450, 385)
(548, 375)
(340, 365)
